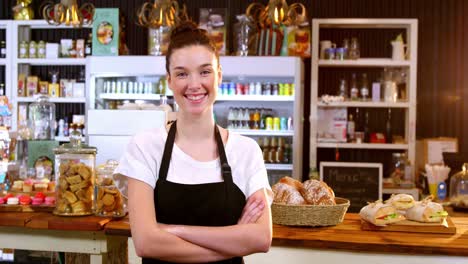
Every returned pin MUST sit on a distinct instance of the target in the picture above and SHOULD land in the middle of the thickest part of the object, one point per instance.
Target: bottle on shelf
(256, 119)
(3, 49)
(88, 46)
(354, 92)
(273, 150)
(388, 127)
(230, 118)
(245, 118)
(350, 128)
(280, 151)
(346, 48)
(366, 128)
(266, 148)
(354, 50)
(364, 88)
(343, 89)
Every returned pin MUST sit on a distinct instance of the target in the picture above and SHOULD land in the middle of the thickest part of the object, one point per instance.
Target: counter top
(349, 236)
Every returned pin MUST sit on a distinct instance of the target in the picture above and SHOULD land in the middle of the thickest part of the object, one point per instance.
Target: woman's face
(194, 77)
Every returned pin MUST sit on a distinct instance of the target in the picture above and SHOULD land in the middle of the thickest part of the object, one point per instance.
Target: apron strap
(166, 159)
(225, 168)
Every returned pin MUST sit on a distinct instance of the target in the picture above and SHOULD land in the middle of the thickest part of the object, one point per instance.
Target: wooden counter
(349, 236)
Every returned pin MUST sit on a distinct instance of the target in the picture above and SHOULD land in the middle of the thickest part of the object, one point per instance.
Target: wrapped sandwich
(380, 214)
(401, 201)
(426, 211)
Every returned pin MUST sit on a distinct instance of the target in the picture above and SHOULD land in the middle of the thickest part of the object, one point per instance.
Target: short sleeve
(137, 163)
(258, 177)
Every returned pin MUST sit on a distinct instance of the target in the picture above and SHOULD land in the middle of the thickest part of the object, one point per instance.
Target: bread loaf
(287, 194)
(317, 193)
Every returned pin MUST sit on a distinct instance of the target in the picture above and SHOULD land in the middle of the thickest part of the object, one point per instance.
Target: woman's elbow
(265, 244)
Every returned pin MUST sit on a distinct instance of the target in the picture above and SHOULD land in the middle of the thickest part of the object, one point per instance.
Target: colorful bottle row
(256, 88)
(276, 150)
(257, 118)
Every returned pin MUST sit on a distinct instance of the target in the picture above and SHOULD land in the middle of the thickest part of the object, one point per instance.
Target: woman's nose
(194, 81)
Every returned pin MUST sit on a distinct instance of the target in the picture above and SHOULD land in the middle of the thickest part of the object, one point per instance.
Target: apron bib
(210, 204)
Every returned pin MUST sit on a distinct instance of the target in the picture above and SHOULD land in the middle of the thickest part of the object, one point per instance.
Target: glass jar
(244, 36)
(23, 50)
(401, 173)
(42, 118)
(32, 49)
(158, 40)
(109, 200)
(459, 188)
(74, 178)
(41, 50)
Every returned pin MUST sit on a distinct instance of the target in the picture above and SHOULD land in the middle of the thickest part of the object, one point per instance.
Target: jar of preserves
(41, 49)
(459, 188)
(109, 200)
(23, 50)
(74, 177)
(32, 49)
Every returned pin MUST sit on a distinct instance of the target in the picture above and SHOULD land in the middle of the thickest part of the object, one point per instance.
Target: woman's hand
(252, 211)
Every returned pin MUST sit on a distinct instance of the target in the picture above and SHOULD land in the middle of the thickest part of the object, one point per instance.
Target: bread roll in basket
(312, 203)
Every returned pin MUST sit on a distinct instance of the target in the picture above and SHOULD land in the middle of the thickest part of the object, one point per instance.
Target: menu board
(358, 182)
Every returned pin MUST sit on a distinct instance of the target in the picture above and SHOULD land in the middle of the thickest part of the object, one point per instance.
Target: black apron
(210, 204)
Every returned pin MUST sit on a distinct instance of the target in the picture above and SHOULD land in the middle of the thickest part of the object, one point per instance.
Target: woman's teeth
(195, 97)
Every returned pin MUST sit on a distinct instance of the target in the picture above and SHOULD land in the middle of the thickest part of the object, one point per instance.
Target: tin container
(276, 123)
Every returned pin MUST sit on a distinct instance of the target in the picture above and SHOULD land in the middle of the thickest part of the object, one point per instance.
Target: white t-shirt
(143, 156)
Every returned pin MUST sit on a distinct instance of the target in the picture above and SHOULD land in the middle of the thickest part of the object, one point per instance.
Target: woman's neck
(196, 128)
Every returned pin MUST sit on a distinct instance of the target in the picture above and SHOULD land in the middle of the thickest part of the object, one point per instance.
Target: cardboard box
(106, 32)
(331, 125)
(429, 150)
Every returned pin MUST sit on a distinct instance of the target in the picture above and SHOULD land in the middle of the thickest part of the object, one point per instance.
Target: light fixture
(68, 12)
(160, 13)
(272, 20)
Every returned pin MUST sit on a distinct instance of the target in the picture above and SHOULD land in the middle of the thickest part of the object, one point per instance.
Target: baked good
(49, 200)
(37, 201)
(292, 182)
(401, 201)
(24, 199)
(317, 193)
(13, 200)
(17, 186)
(287, 194)
(427, 212)
(27, 186)
(2, 201)
(380, 214)
(40, 187)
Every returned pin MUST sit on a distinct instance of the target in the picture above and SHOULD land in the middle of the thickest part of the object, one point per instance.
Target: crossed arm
(194, 244)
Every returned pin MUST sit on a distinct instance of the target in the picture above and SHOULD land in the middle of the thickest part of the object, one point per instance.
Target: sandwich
(427, 212)
(401, 201)
(380, 214)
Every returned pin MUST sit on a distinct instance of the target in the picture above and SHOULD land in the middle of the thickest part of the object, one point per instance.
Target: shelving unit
(409, 106)
(22, 30)
(6, 25)
(267, 69)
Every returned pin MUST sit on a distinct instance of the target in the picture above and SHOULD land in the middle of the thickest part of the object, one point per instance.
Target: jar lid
(75, 146)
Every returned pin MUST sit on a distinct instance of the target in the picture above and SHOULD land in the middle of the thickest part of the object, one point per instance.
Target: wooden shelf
(361, 145)
(364, 62)
(269, 98)
(368, 104)
(252, 132)
(57, 61)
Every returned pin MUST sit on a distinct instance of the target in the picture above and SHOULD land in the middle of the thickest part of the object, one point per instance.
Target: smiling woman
(196, 193)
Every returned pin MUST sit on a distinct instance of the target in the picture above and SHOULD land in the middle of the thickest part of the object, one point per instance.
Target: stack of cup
(436, 174)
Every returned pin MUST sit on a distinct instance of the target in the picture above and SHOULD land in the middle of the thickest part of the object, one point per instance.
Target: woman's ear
(168, 78)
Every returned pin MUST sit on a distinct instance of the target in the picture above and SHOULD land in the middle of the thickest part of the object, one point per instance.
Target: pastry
(287, 194)
(70, 197)
(24, 199)
(380, 214)
(2, 201)
(41, 187)
(49, 200)
(13, 200)
(317, 193)
(17, 186)
(37, 201)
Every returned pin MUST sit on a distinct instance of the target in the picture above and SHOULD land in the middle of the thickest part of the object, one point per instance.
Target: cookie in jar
(74, 175)
(109, 200)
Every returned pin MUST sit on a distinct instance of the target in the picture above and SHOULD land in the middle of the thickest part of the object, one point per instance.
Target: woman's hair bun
(184, 27)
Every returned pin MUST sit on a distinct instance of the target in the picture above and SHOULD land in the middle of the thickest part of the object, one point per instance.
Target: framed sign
(358, 182)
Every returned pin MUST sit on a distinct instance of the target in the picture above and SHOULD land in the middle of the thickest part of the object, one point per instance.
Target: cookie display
(109, 201)
(74, 188)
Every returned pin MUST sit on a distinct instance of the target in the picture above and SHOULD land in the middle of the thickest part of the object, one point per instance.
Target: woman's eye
(181, 74)
(206, 72)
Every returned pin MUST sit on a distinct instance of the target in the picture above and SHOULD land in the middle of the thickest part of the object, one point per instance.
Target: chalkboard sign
(358, 182)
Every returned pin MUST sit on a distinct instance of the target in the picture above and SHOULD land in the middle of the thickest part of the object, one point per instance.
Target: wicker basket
(310, 215)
